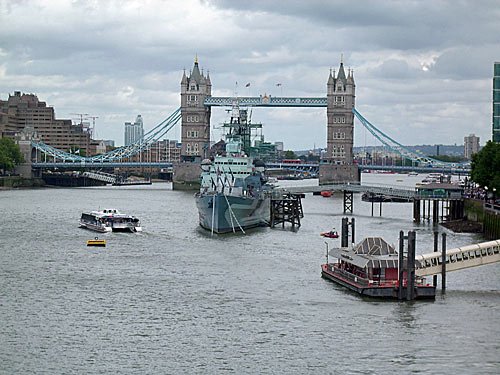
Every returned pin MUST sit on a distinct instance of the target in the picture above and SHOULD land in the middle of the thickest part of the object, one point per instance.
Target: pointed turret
(331, 79)
(350, 77)
(195, 73)
(184, 80)
(341, 76)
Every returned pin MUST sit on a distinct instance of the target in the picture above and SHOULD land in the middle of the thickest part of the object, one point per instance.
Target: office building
(24, 111)
(471, 146)
(496, 103)
(134, 131)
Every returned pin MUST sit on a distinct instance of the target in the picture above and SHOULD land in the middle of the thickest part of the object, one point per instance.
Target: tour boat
(371, 268)
(110, 220)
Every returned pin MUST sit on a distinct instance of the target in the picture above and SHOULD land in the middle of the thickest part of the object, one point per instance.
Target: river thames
(173, 299)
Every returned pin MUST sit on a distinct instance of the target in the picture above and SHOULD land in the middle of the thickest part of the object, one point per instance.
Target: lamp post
(486, 194)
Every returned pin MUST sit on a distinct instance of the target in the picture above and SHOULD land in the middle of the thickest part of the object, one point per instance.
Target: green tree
(289, 154)
(448, 158)
(10, 154)
(485, 167)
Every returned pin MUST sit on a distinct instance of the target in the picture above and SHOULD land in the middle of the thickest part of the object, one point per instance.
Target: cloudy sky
(423, 69)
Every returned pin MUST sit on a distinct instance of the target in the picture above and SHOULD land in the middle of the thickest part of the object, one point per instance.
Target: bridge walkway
(100, 176)
(458, 258)
(356, 188)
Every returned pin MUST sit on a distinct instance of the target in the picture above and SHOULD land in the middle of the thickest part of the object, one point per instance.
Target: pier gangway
(100, 176)
(458, 258)
(408, 193)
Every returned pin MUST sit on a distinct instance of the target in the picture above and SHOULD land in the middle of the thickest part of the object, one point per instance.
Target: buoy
(96, 242)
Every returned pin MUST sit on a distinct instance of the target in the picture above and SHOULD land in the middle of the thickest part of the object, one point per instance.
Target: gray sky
(423, 69)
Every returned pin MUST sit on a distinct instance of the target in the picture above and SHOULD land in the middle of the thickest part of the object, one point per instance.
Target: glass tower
(134, 131)
(496, 103)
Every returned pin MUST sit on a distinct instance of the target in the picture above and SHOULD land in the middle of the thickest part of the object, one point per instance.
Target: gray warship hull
(225, 213)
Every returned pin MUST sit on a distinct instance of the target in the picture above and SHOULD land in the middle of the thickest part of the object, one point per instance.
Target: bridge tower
(195, 128)
(195, 121)
(338, 164)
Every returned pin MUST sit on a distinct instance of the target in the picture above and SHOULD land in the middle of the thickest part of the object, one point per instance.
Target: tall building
(195, 125)
(23, 111)
(471, 146)
(134, 131)
(496, 103)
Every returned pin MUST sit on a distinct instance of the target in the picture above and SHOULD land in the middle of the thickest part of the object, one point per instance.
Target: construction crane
(93, 123)
(81, 115)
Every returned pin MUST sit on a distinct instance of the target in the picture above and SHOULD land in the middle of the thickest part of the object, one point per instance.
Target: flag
(248, 84)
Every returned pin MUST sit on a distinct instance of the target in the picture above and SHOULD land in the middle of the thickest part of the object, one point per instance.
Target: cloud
(422, 69)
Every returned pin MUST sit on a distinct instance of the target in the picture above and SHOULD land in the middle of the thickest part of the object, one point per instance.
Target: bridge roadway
(310, 167)
(114, 164)
(458, 258)
(314, 167)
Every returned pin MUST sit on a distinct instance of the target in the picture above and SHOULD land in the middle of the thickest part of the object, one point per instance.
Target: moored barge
(371, 268)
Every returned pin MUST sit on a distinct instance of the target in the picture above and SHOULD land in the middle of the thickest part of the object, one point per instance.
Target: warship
(234, 193)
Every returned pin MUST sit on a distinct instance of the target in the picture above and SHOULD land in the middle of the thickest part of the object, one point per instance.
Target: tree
(10, 154)
(290, 155)
(485, 167)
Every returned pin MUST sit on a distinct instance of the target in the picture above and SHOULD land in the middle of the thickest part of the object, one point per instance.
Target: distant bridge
(314, 167)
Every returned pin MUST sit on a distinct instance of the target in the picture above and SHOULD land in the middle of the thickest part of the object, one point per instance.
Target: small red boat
(331, 234)
(326, 193)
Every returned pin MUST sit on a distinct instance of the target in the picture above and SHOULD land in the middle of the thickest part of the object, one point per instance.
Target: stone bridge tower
(195, 129)
(338, 164)
(195, 121)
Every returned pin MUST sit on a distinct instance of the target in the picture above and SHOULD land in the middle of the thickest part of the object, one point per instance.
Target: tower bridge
(194, 116)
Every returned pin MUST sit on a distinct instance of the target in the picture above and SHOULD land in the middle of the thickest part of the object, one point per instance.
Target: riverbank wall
(485, 213)
(15, 182)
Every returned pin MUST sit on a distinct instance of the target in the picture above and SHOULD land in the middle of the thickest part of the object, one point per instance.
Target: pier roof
(371, 252)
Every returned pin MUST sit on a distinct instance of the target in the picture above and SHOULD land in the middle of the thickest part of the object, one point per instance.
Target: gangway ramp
(458, 258)
(101, 176)
(398, 192)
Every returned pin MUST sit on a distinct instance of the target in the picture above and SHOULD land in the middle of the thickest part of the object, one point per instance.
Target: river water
(174, 299)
